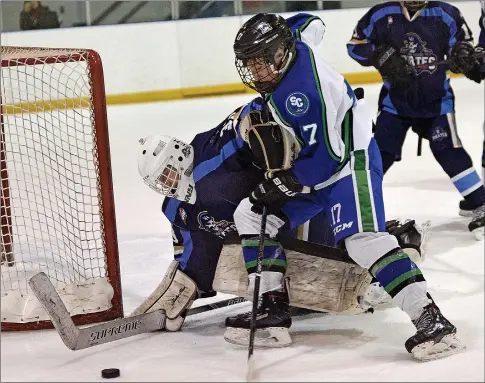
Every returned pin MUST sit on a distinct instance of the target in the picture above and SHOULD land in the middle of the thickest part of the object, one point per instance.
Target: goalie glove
(274, 192)
(391, 65)
(462, 57)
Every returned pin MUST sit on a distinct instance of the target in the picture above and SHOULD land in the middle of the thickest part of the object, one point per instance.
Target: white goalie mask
(166, 165)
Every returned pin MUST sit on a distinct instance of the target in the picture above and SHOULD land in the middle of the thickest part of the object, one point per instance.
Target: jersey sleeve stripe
(206, 167)
(324, 108)
(278, 114)
(171, 209)
(347, 125)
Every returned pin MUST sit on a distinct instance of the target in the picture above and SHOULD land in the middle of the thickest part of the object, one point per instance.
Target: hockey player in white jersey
(338, 171)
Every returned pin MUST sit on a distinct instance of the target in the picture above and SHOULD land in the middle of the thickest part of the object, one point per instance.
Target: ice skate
(477, 224)
(273, 320)
(465, 209)
(436, 336)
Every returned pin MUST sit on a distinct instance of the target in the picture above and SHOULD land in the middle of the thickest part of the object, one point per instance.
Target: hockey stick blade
(79, 338)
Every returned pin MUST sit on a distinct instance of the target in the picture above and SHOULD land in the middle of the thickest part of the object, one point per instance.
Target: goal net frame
(96, 101)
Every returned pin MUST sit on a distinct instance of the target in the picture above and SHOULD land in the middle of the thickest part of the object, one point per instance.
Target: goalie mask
(166, 165)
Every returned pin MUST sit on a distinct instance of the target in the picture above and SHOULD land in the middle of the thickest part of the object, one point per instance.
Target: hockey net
(57, 208)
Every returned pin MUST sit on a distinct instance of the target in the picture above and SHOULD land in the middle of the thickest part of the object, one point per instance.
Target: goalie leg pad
(316, 283)
(175, 295)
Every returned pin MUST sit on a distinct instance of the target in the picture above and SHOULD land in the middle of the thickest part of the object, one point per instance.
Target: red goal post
(57, 206)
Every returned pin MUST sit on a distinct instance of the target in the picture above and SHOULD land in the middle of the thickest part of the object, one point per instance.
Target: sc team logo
(415, 53)
(297, 104)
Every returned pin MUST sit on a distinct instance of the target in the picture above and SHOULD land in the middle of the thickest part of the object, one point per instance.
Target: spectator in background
(38, 16)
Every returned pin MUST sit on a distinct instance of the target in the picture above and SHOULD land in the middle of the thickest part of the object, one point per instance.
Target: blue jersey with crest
(421, 38)
(224, 174)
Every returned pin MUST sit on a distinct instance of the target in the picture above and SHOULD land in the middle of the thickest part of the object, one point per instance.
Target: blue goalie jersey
(223, 173)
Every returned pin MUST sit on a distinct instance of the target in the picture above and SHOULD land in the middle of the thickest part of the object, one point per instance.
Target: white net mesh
(51, 208)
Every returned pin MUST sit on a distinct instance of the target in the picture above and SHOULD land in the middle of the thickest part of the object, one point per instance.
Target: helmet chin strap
(282, 70)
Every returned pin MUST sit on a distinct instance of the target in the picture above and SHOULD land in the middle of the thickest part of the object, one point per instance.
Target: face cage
(265, 84)
(168, 180)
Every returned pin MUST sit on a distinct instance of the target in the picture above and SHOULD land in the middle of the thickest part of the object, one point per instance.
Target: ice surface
(326, 348)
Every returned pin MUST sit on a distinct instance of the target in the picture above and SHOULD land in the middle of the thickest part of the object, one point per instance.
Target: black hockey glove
(391, 65)
(477, 74)
(274, 192)
(462, 57)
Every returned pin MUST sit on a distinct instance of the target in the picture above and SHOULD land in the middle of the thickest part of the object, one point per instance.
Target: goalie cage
(57, 206)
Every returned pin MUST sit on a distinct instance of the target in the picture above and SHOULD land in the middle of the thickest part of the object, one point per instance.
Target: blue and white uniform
(340, 165)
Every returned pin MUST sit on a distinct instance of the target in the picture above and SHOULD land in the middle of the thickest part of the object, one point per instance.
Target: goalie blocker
(322, 278)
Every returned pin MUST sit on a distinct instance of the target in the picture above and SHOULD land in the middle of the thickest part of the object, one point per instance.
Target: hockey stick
(78, 338)
(257, 284)
(447, 61)
(215, 305)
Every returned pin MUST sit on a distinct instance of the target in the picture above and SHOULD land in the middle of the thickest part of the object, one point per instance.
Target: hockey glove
(391, 65)
(477, 74)
(274, 192)
(462, 57)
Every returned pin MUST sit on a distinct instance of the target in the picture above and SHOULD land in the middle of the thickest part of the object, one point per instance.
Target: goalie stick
(78, 338)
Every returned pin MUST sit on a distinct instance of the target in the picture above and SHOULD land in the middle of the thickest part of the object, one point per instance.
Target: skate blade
(479, 233)
(465, 213)
(449, 345)
(268, 337)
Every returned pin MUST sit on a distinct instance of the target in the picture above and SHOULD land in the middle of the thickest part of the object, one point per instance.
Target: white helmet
(166, 165)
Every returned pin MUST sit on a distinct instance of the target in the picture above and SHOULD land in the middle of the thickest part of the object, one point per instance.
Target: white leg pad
(315, 283)
(174, 294)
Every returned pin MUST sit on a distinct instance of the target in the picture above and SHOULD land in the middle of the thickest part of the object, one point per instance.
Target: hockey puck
(109, 373)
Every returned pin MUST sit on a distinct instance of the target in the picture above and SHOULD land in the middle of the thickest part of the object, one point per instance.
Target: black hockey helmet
(263, 47)
(414, 6)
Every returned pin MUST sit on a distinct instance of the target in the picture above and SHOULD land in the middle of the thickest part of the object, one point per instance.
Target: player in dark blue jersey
(396, 36)
(338, 171)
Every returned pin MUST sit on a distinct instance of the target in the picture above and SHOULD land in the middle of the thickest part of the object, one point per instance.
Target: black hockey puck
(109, 373)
